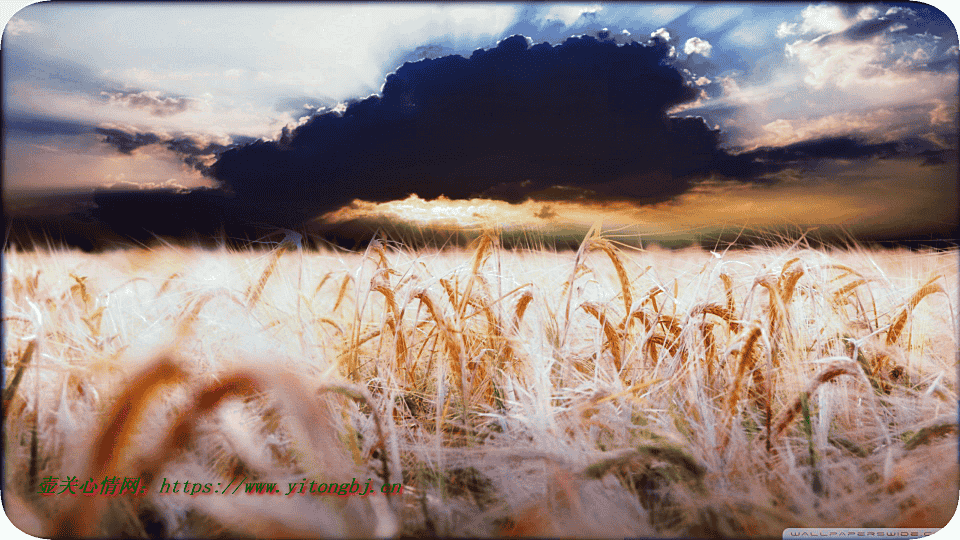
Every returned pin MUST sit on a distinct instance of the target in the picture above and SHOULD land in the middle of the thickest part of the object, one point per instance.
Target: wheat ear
(613, 338)
(897, 327)
(253, 294)
(748, 357)
(604, 245)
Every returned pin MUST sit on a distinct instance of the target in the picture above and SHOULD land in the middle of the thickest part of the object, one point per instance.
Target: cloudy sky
(670, 118)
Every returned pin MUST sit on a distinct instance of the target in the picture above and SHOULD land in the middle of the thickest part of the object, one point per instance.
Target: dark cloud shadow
(586, 113)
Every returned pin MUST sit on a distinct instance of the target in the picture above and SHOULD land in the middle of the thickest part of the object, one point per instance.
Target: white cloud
(871, 66)
(867, 13)
(169, 183)
(943, 113)
(897, 27)
(819, 81)
(702, 81)
(787, 29)
(899, 10)
(18, 26)
(661, 33)
(702, 99)
(823, 18)
(783, 132)
(698, 46)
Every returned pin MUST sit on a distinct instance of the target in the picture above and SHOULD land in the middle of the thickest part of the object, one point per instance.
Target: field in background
(607, 392)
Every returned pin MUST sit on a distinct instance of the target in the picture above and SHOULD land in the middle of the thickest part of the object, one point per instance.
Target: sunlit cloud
(150, 101)
(900, 10)
(868, 12)
(19, 27)
(870, 198)
(170, 183)
(661, 33)
(823, 18)
(877, 124)
(861, 78)
(699, 46)
(943, 113)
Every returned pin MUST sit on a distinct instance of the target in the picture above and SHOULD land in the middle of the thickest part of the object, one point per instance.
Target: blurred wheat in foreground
(605, 393)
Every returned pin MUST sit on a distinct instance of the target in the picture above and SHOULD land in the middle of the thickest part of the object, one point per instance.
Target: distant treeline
(210, 218)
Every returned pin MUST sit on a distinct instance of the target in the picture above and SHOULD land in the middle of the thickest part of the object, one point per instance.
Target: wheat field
(608, 392)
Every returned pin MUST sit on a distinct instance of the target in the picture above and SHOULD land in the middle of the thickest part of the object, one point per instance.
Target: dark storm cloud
(127, 142)
(931, 154)
(585, 113)
(829, 148)
(948, 62)
(197, 154)
(755, 164)
(193, 151)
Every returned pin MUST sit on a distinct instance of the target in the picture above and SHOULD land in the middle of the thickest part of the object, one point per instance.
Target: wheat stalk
(453, 348)
(594, 231)
(394, 321)
(728, 289)
(342, 292)
(748, 358)
(322, 281)
(789, 414)
(718, 310)
(253, 293)
(787, 284)
(11, 388)
(613, 337)
(484, 243)
(166, 283)
(604, 245)
(897, 327)
(521, 308)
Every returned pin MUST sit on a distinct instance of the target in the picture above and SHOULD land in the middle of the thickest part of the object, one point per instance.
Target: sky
(668, 119)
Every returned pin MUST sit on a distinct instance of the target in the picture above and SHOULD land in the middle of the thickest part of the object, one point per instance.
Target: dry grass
(604, 393)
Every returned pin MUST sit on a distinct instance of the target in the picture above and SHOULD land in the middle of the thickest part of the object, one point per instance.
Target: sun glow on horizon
(444, 212)
(710, 207)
